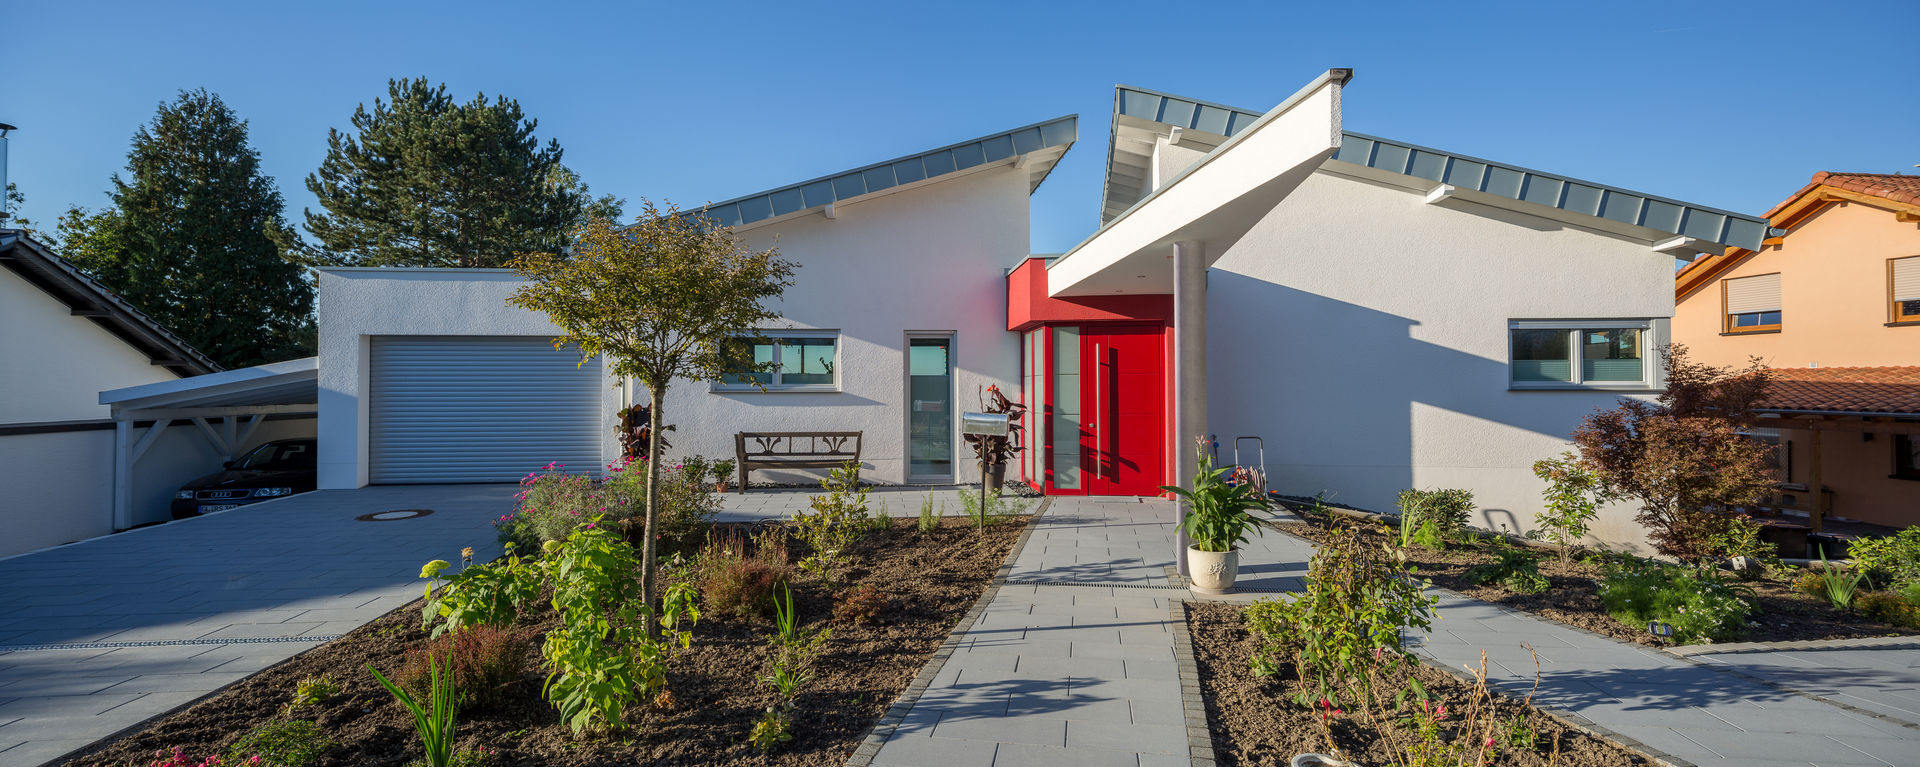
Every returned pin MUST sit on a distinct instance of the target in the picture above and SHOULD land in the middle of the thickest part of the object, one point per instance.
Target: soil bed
(1254, 722)
(932, 578)
(1780, 613)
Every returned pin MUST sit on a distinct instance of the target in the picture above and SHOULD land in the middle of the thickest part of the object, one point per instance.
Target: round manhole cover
(396, 514)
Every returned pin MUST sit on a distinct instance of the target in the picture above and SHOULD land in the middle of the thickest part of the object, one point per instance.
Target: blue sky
(1732, 105)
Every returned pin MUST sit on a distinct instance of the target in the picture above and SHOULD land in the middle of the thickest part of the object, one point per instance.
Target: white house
(64, 338)
(1383, 315)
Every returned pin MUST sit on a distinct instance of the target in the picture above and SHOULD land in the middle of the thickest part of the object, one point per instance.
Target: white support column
(1189, 371)
(126, 453)
(240, 442)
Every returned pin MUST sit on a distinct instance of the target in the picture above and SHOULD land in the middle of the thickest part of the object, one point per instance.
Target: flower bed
(930, 578)
(1254, 722)
(1573, 597)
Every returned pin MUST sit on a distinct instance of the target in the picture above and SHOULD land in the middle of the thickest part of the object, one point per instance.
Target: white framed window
(1579, 354)
(800, 360)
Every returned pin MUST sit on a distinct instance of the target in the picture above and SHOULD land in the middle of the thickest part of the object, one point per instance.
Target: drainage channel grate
(165, 643)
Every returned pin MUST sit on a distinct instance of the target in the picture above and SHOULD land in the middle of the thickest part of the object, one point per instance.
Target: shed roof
(1215, 122)
(1890, 390)
(85, 297)
(280, 387)
(1043, 143)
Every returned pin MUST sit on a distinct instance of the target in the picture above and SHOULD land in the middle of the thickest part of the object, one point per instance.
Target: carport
(225, 407)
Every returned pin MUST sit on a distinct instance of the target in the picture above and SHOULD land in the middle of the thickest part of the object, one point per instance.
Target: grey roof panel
(1514, 182)
(1059, 132)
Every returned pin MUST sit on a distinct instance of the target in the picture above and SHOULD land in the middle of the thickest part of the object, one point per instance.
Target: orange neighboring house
(1833, 306)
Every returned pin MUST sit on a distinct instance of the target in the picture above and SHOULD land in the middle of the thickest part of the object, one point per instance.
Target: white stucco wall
(929, 258)
(1363, 333)
(69, 493)
(56, 364)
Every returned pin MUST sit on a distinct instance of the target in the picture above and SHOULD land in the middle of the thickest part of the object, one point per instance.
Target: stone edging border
(1192, 699)
(883, 729)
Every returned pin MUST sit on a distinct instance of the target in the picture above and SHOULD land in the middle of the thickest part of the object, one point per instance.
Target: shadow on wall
(1350, 403)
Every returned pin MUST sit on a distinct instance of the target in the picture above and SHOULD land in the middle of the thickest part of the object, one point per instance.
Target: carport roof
(281, 387)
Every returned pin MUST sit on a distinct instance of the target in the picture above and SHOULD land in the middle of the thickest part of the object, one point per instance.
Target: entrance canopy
(252, 394)
(1213, 203)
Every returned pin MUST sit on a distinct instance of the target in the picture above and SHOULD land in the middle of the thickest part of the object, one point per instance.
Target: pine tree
(426, 181)
(197, 239)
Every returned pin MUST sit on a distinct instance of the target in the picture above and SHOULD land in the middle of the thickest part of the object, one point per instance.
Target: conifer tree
(197, 240)
(426, 181)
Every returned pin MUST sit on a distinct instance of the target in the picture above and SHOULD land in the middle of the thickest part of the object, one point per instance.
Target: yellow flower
(466, 553)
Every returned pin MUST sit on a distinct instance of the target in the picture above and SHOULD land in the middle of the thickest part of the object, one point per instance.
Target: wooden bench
(794, 450)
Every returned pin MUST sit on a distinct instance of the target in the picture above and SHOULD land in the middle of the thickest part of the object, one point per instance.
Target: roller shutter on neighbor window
(1906, 279)
(1760, 293)
(479, 409)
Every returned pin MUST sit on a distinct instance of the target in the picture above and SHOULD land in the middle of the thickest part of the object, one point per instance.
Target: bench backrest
(752, 445)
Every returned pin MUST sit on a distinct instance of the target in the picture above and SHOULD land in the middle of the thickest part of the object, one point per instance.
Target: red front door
(1123, 442)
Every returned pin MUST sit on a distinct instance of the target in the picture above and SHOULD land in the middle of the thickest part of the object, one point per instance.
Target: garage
(447, 409)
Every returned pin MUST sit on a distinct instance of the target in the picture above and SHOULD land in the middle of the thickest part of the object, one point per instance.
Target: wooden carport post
(1819, 509)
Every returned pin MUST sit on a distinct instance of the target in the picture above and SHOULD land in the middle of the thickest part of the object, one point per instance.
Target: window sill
(1907, 477)
(1904, 324)
(808, 389)
(1631, 388)
(1760, 332)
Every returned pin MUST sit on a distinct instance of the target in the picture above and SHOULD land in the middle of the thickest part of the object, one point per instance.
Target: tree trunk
(649, 580)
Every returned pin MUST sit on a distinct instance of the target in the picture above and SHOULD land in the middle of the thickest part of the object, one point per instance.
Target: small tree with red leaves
(1682, 456)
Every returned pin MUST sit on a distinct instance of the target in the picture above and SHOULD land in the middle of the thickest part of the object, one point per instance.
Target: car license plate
(224, 507)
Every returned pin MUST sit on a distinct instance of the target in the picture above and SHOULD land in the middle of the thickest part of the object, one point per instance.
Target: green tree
(10, 213)
(427, 181)
(661, 300)
(196, 238)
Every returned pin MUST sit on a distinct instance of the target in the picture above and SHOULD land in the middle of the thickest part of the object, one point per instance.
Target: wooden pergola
(1819, 422)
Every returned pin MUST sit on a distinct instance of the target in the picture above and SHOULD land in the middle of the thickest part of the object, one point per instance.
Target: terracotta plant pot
(1212, 572)
(720, 487)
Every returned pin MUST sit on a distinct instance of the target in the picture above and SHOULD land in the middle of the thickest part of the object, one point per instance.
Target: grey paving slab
(288, 569)
(1884, 681)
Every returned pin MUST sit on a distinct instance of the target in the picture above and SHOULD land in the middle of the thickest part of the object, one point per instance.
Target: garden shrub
(489, 594)
(1890, 562)
(1514, 568)
(1446, 510)
(312, 690)
(839, 518)
(291, 743)
(1810, 583)
(929, 520)
(1344, 630)
(1741, 538)
(1700, 607)
(1888, 607)
(862, 604)
(1573, 497)
(1911, 593)
(553, 503)
(485, 661)
(739, 577)
(601, 656)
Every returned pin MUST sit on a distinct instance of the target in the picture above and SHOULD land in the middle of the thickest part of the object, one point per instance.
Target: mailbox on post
(985, 425)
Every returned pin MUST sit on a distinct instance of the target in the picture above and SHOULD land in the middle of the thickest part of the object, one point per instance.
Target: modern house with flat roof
(1383, 315)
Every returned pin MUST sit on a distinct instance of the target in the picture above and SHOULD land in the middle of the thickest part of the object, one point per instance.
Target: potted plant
(722, 474)
(996, 451)
(1218, 518)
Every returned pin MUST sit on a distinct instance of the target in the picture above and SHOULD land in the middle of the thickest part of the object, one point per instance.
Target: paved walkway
(1073, 661)
(102, 635)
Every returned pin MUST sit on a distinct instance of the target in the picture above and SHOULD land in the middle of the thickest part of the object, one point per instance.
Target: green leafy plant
(1911, 593)
(1345, 629)
(1699, 605)
(1514, 568)
(489, 594)
(1573, 497)
(601, 658)
(482, 663)
(929, 519)
(1810, 583)
(1219, 514)
(838, 520)
(1889, 608)
(997, 508)
(1838, 585)
(282, 743)
(312, 690)
(434, 720)
(1447, 511)
(723, 470)
(794, 645)
(1425, 533)
(1740, 537)
(1891, 561)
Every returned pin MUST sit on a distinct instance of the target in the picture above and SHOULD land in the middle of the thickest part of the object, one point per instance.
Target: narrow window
(1906, 457)
(1753, 303)
(1906, 288)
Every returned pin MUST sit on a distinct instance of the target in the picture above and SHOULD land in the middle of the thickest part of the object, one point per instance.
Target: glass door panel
(929, 410)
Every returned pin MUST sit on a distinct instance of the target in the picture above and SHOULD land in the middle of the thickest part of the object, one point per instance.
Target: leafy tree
(1682, 457)
(9, 212)
(427, 181)
(196, 238)
(661, 300)
(1573, 497)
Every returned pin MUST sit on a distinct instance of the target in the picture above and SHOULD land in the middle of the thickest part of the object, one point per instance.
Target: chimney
(4, 130)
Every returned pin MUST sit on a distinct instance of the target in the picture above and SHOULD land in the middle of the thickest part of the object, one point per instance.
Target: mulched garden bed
(1781, 614)
(933, 578)
(1254, 722)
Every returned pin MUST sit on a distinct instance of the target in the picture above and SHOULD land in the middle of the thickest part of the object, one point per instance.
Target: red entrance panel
(1123, 442)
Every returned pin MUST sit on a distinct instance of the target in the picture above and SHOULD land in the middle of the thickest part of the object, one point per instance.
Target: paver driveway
(99, 636)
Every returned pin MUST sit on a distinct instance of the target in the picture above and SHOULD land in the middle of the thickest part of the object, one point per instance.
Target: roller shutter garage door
(448, 409)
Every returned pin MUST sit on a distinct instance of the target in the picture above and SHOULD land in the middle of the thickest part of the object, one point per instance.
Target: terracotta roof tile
(1847, 390)
(1892, 186)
